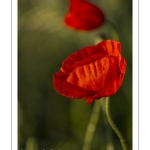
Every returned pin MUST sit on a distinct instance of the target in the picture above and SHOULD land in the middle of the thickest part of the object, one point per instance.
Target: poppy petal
(77, 57)
(90, 100)
(67, 89)
(100, 71)
(86, 61)
(111, 47)
(113, 87)
(104, 48)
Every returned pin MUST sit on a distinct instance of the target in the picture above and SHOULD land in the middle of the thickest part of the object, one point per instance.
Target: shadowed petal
(113, 86)
(66, 89)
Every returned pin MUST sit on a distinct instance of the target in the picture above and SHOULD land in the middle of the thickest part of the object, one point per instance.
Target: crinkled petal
(104, 48)
(85, 61)
(95, 76)
(109, 47)
(77, 57)
(113, 86)
(66, 89)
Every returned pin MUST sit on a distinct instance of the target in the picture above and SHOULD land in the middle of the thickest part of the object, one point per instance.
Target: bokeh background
(46, 119)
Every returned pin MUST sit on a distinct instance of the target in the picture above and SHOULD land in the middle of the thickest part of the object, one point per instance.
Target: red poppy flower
(92, 72)
(83, 15)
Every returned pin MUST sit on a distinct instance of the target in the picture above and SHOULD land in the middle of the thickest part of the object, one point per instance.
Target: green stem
(91, 126)
(108, 131)
(114, 126)
(115, 31)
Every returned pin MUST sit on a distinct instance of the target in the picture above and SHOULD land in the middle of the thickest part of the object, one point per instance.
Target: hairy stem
(114, 126)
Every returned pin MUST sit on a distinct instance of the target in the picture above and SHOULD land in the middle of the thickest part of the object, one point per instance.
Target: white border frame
(14, 74)
(9, 60)
(135, 75)
(5, 75)
(144, 75)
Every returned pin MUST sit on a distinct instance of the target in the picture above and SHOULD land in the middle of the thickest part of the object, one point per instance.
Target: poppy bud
(83, 15)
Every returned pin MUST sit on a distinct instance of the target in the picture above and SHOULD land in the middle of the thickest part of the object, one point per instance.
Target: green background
(46, 119)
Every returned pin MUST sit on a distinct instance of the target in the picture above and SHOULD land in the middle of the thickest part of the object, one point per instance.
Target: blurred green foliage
(46, 119)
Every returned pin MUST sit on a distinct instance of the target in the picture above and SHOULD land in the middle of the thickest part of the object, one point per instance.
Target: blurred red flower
(83, 15)
(92, 72)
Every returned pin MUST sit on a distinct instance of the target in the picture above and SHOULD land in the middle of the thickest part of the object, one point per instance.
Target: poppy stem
(108, 131)
(115, 30)
(114, 126)
(91, 125)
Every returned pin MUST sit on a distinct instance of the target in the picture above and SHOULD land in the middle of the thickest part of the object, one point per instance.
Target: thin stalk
(108, 131)
(115, 30)
(114, 126)
(91, 126)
